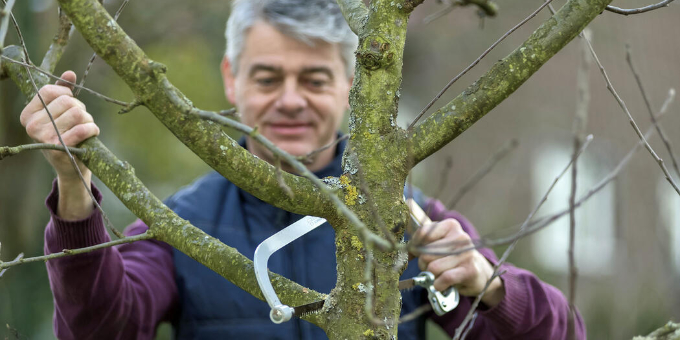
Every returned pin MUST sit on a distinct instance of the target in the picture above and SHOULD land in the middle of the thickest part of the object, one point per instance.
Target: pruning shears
(442, 302)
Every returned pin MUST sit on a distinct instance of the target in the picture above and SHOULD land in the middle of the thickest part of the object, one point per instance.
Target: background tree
(376, 61)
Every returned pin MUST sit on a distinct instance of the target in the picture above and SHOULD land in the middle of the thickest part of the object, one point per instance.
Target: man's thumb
(68, 76)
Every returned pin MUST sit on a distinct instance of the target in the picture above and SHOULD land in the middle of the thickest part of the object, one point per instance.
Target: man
(288, 70)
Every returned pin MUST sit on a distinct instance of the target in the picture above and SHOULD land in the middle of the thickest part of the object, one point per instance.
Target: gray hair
(304, 20)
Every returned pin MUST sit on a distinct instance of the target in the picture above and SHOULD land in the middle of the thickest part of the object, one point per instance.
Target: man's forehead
(256, 67)
(266, 47)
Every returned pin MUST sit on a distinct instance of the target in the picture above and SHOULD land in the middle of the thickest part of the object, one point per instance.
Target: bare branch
(486, 8)
(59, 42)
(579, 129)
(611, 89)
(94, 55)
(355, 13)
(19, 257)
(416, 313)
(309, 158)
(279, 178)
(21, 36)
(624, 11)
(448, 165)
(483, 171)
(69, 252)
(474, 63)
(661, 132)
(505, 77)
(97, 94)
(470, 316)
(7, 151)
(4, 22)
(666, 103)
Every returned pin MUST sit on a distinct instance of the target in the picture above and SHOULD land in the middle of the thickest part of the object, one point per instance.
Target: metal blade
(307, 309)
(406, 284)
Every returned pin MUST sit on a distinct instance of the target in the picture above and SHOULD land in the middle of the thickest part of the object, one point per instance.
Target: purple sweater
(124, 292)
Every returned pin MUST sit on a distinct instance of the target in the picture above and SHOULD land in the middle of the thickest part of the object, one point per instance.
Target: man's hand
(468, 271)
(75, 125)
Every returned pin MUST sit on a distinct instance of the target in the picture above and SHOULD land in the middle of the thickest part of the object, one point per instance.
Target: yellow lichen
(356, 286)
(351, 195)
(356, 243)
(369, 332)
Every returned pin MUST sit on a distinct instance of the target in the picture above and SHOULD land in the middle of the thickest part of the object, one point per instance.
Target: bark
(376, 162)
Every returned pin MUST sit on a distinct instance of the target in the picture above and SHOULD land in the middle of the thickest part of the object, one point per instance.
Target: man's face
(294, 93)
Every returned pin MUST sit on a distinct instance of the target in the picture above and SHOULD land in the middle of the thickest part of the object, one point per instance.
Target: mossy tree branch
(164, 224)
(148, 82)
(503, 78)
(355, 13)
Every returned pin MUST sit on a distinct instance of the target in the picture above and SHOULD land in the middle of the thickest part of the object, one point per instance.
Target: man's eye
(316, 83)
(265, 81)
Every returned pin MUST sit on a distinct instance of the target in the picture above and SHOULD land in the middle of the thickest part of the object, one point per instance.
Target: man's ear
(351, 81)
(228, 79)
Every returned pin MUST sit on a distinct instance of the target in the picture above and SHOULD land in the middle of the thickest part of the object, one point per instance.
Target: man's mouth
(290, 129)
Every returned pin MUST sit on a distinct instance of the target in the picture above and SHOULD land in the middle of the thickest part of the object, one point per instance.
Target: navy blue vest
(214, 308)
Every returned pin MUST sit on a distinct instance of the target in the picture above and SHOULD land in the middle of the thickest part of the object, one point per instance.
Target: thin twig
(483, 171)
(580, 121)
(97, 94)
(474, 63)
(7, 151)
(94, 55)
(279, 179)
(69, 252)
(487, 8)
(625, 11)
(662, 133)
(416, 313)
(59, 43)
(471, 313)
(309, 158)
(448, 165)
(369, 276)
(667, 103)
(21, 36)
(4, 22)
(611, 89)
(470, 325)
(450, 6)
(509, 250)
(19, 257)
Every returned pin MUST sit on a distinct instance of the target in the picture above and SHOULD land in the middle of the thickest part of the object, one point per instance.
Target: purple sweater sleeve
(120, 292)
(531, 309)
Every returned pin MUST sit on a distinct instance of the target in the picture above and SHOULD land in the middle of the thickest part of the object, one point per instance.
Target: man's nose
(291, 101)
